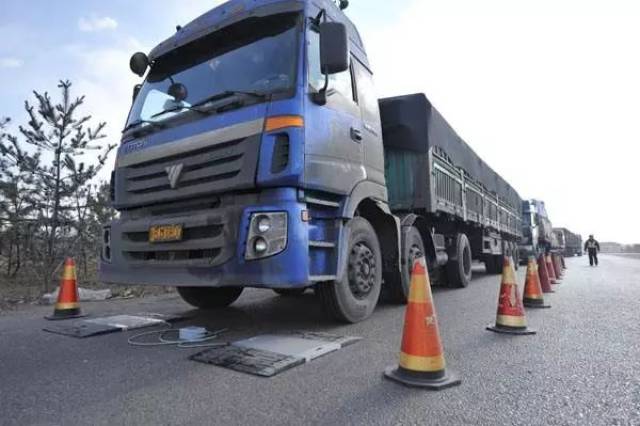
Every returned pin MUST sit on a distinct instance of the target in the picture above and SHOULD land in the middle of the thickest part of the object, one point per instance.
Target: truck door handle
(356, 134)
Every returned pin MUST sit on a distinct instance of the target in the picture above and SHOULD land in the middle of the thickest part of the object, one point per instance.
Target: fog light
(264, 224)
(260, 245)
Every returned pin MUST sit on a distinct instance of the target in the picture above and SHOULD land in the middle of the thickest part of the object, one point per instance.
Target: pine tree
(54, 143)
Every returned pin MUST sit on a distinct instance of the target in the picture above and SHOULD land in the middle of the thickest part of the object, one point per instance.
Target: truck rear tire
(514, 256)
(354, 298)
(412, 248)
(210, 297)
(493, 264)
(459, 264)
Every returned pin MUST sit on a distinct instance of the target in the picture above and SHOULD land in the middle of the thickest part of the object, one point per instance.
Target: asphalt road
(583, 366)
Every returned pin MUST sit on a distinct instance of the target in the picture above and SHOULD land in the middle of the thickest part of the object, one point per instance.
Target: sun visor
(220, 17)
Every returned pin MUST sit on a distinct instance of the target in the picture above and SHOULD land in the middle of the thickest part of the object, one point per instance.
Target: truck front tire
(210, 297)
(354, 298)
(459, 264)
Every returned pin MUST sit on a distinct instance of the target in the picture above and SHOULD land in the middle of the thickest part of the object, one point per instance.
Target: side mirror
(139, 63)
(334, 48)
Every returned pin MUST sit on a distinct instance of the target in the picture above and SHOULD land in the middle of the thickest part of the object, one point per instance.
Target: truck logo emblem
(174, 173)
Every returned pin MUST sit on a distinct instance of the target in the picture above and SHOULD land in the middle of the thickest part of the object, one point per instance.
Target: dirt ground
(27, 288)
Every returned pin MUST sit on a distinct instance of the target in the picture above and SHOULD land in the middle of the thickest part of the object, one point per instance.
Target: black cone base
(536, 305)
(509, 330)
(65, 315)
(418, 381)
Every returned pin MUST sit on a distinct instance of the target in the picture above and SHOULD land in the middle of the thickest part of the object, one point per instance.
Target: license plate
(165, 233)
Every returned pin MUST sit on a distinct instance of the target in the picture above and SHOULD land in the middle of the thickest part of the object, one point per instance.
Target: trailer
(570, 244)
(433, 173)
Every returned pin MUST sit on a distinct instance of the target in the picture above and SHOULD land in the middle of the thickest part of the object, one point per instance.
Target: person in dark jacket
(592, 247)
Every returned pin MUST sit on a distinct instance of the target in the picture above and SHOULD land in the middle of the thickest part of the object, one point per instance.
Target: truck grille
(208, 238)
(214, 169)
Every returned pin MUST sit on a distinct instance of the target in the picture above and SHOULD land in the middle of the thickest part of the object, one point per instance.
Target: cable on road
(184, 338)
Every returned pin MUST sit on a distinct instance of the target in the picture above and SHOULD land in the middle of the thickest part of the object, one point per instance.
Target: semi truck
(257, 154)
(537, 231)
(569, 244)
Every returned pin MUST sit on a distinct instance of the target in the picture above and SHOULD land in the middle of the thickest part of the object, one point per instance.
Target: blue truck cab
(253, 157)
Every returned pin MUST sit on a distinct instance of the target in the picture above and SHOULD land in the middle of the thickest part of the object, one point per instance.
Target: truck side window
(341, 83)
(367, 95)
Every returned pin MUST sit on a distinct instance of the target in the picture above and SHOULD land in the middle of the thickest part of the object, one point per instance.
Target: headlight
(263, 224)
(267, 235)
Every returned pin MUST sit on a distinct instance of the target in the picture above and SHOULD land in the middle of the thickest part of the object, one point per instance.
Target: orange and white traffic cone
(68, 304)
(557, 266)
(511, 318)
(543, 274)
(532, 294)
(550, 270)
(422, 361)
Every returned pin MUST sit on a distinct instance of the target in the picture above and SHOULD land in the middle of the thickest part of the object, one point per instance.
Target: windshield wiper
(217, 97)
(140, 122)
(178, 109)
(229, 93)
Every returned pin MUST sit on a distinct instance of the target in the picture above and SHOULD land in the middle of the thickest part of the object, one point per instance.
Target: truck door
(371, 125)
(333, 132)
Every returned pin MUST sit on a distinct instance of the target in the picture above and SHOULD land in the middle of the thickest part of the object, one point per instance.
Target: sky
(547, 91)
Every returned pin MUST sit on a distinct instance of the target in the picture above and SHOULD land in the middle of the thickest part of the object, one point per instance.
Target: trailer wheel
(412, 249)
(290, 292)
(459, 265)
(210, 297)
(354, 298)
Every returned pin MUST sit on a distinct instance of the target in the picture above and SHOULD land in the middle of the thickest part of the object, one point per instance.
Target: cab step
(322, 244)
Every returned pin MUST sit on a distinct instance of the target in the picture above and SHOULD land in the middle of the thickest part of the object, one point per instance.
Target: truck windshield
(255, 55)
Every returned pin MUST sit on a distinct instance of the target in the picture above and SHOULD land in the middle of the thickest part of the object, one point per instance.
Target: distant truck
(537, 231)
(256, 154)
(569, 244)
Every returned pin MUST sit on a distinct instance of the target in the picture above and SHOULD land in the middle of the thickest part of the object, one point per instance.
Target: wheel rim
(362, 270)
(415, 253)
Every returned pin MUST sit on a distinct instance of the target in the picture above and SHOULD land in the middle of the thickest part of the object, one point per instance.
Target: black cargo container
(430, 170)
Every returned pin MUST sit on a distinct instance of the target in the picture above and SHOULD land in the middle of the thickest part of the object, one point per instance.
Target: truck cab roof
(234, 11)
